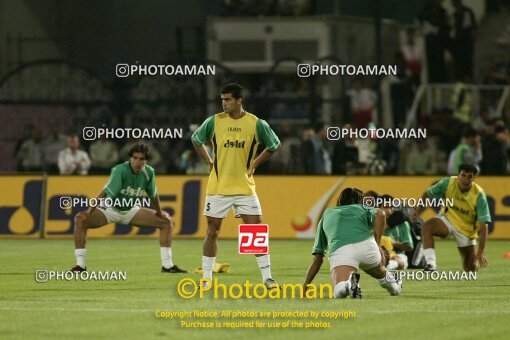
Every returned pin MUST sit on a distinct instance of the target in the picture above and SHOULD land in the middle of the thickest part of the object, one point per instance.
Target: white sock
(430, 256)
(341, 289)
(392, 265)
(391, 287)
(166, 257)
(265, 266)
(207, 266)
(80, 256)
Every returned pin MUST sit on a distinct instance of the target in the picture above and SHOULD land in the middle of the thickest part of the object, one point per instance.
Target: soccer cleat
(272, 284)
(77, 268)
(430, 268)
(397, 292)
(355, 290)
(173, 269)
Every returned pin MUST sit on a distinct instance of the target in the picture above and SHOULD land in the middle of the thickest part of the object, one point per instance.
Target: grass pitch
(126, 309)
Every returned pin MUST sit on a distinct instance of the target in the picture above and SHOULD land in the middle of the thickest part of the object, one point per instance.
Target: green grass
(117, 309)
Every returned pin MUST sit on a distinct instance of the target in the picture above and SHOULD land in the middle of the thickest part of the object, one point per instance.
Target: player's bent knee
(81, 221)
(213, 232)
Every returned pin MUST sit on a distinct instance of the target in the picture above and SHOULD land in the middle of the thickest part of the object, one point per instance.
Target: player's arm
(314, 268)
(99, 197)
(401, 245)
(480, 254)
(152, 191)
(264, 156)
(267, 136)
(379, 224)
(484, 217)
(438, 190)
(319, 248)
(202, 151)
(157, 206)
(203, 133)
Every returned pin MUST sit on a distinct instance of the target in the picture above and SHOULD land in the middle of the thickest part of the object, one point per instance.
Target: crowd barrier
(291, 205)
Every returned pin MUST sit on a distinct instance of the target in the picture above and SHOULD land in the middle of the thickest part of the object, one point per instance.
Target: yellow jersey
(468, 207)
(234, 143)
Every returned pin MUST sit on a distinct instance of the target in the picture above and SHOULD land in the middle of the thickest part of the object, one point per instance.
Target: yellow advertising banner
(20, 206)
(291, 205)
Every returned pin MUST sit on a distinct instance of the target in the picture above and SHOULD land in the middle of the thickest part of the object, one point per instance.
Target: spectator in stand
(496, 143)
(315, 157)
(345, 154)
(27, 134)
(463, 41)
(72, 160)
(469, 151)
(401, 91)
(104, 156)
(434, 23)
(363, 102)
(52, 145)
(413, 55)
(420, 160)
(30, 155)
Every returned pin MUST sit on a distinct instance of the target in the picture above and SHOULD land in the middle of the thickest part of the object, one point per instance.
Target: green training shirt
(400, 233)
(343, 225)
(127, 187)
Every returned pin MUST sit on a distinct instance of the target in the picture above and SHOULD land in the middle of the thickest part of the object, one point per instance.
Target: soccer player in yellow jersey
(235, 135)
(466, 220)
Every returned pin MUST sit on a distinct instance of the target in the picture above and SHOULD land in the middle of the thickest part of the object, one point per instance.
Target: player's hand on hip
(482, 260)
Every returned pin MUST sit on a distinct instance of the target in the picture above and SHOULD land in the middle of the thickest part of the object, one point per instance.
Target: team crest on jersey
(234, 144)
(133, 192)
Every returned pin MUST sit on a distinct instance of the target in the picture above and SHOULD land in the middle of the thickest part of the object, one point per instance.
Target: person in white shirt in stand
(363, 101)
(73, 161)
(104, 155)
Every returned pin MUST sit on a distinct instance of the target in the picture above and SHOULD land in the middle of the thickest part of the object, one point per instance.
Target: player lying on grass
(129, 182)
(460, 220)
(400, 236)
(346, 232)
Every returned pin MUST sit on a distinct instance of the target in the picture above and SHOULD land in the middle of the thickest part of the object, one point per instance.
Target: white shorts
(364, 255)
(403, 257)
(462, 240)
(116, 216)
(218, 205)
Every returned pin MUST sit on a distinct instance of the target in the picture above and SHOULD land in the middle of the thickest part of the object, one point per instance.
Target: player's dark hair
(371, 193)
(468, 168)
(386, 198)
(235, 89)
(141, 148)
(318, 126)
(350, 196)
(470, 132)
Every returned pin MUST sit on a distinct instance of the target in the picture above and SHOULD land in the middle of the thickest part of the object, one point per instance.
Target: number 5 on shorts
(208, 206)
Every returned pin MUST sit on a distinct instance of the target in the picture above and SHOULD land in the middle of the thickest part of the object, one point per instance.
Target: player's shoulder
(121, 167)
(477, 189)
(219, 115)
(348, 208)
(252, 116)
(150, 169)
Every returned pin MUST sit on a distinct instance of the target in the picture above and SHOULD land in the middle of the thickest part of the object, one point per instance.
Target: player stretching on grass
(460, 220)
(346, 231)
(128, 182)
(235, 135)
